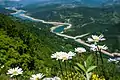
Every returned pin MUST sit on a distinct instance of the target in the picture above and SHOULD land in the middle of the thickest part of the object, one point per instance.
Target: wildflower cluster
(58, 56)
(95, 39)
(18, 71)
(63, 55)
(96, 77)
(95, 47)
(67, 56)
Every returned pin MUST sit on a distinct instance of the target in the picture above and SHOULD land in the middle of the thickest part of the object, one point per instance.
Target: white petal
(90, 40)
(102, 39)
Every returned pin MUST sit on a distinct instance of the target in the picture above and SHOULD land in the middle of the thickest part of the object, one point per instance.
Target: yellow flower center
(96, 39)
(64, 58)
(15, 72)
(37, 78)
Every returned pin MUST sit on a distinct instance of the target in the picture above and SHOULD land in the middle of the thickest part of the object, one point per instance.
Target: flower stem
(101, 58)
(61, 68)
(102, 63)
(66, 67)
(97, 57)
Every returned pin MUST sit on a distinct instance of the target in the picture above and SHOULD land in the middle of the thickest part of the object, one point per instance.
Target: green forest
(26, 46)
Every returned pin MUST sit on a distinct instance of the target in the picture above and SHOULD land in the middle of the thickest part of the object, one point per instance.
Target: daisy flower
(80, 50)
(15, 71)
(96, 38)
(37, 76)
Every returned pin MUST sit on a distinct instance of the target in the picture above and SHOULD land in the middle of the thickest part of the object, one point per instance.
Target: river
(58, 29)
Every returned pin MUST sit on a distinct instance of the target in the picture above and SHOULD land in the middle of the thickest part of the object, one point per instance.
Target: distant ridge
(89, 3)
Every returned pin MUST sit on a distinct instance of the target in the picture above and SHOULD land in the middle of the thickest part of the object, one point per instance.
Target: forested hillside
(24, 45)
(99, 20)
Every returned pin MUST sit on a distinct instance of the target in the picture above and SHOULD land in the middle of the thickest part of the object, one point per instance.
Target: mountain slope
(24, 45)
(99, 20)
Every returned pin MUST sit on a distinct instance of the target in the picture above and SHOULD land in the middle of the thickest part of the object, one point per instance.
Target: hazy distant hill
(111, 2)
(72, 3)
(90, 3)
(93, 3)
(7, 3)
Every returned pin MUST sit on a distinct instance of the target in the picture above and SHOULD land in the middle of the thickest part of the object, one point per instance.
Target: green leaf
(91, 68)
(89, 60)
(81, 67)
(77, 69)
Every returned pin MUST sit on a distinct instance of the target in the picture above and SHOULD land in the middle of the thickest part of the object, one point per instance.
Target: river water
(20, 13)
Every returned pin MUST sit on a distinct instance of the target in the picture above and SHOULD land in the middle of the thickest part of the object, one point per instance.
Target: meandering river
(59, 29)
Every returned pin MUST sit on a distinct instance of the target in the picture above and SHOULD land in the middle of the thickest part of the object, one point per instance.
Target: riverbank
(59, 24)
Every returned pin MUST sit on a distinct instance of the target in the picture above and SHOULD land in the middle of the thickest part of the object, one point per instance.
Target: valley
(83, 19)
(59, 40)
(21, 14)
